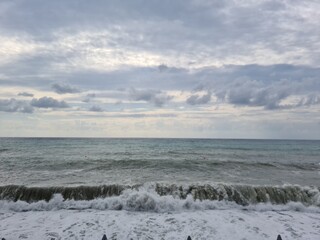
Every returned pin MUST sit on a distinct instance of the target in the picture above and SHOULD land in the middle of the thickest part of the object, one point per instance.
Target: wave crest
(154, 197)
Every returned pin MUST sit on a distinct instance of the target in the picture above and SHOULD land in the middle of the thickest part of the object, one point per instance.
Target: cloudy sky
(146, 68)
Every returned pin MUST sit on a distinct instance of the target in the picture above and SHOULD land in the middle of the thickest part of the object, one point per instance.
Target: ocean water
(159, 188)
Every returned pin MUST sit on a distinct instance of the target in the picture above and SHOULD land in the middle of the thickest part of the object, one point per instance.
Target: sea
(143, 188)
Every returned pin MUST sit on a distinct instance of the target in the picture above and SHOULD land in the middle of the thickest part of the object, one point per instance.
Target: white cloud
(14, 47)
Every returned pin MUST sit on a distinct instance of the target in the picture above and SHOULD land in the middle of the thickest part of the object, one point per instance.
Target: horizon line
(181, 138)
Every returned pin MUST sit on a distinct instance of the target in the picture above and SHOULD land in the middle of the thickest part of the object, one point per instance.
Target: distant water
(194, 178)
(72, 162)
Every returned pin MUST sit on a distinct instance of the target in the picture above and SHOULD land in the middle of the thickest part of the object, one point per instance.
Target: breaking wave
(160, 198)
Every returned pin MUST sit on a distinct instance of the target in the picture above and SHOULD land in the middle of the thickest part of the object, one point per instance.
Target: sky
(180, 69)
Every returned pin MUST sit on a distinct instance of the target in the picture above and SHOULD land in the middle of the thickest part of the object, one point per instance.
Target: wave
(241, 195)
(245, 194)
(4, 149)
(202, 163)
(275, 165)
(146, 201)
(32, 194)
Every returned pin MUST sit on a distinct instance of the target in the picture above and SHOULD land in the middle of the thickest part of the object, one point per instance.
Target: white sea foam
(199, 224)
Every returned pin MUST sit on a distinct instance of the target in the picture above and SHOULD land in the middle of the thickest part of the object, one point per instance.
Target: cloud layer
(194, 68)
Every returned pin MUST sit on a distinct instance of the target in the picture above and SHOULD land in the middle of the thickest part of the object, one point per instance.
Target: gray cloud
(309, 100)
(163, 67)
(89, 97)
(142, 115)
(197, 99)
(13, 105)
(48, 102)
(270, 95)
(64, 88)
(263, 86)
(158, 98)
(25, 94)
(241, 85)
(95, 109)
